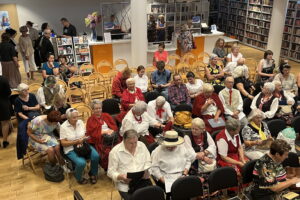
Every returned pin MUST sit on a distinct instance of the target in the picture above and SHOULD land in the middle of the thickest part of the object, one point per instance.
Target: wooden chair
(220, 63)
(149, 70)
(251, 63)
(104, 66)
(189, 58)
(170, 68)
(86, 69)
(182, 67)
(174, 57)
(93, 79)
(121, 63)
(31, 153)
(76, 79)
(198, 66)
(33, 88)
(76, 96)
(84, 111)
(62, 83)
(204, 57)
(97, 92)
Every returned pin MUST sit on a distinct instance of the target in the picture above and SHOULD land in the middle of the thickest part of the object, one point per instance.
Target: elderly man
(178, 92)
(160, 79)
(129, 156)
(232, 102)
(45, 46)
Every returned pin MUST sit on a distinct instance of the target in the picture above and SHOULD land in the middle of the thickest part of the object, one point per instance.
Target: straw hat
(171, 138)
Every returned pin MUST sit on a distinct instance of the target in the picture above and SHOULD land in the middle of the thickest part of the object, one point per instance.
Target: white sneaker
(66, 170)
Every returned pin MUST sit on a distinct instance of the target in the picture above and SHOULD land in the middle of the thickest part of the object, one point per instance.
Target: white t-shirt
(141, 82)
(195, 88)
(234, 58)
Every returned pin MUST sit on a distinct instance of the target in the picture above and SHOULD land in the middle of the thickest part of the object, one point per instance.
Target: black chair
(150, 96)
(183, 107)
(77, 196)
(246, 106)
(222, 178)
(111, 106)
(247, 172)
(291, 161)
(296, 124)
(275, 126)
(148, 193)
(152, 146)
(187, 187)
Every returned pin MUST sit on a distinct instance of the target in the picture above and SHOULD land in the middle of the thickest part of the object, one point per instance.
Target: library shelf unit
(65, 48)
(82, 50)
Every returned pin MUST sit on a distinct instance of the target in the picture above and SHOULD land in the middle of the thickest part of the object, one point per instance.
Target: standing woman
(12, 34)
(266, 66)
(219, 49)
(186, 39)
(161, 28)
(5, 108)
(161, 54)
(9, 61)
(27, 52)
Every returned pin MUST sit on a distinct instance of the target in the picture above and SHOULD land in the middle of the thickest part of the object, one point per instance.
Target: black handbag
(138, 184)
(110, 139)
(83, 150)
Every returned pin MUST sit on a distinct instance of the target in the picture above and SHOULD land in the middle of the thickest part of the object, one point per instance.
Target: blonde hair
(207, 87)
(198, 122)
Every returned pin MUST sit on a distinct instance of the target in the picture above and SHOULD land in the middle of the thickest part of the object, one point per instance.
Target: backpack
(53, 173)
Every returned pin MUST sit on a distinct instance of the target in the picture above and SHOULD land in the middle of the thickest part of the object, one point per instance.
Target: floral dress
(41, 130)
(215, 71)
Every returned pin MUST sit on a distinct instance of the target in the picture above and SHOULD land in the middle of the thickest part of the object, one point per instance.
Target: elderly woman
(72, 136)
(26, 105)
(193, 85)
(170, 160)
(208, 106)
(256, 135)
(266, 101)
(230, 149)
(287, 79)
(242, 83)
(103, 132)
(126, 157)
(131, 95)
(139, 120)
(40, 132)
(235, 54)
(214, 73)
(204, 146)
(46, 93)
(50, 67)
(266, 67)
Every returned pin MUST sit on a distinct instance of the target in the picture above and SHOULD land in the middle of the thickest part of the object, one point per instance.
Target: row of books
(82, 58)
(254, 36)
(255, 8)
(80, 39)
(262, 2)
(256, 43)
(64, 50)
(292, 5)
(287, 29)
(291, 13)
(284, 52)
(257, 30)
(82, 49)
(297, 31)
(241, 19)
(261, 24)
(289, 21)
(296, 39)
(238, 5)
(260, 16)
(295, 55)
(295, 47)
(285, 44)
(64, 41)
(286, 37)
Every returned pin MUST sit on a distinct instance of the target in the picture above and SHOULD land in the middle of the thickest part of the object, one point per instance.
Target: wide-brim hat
(171, 139)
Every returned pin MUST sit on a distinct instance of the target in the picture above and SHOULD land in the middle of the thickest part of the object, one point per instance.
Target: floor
(18, 182)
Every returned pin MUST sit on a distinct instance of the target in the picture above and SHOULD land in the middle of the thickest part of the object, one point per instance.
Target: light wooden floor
(18, 182)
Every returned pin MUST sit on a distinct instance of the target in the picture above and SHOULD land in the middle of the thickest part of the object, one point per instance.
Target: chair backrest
(183, 107)
(204, 57)
(186, 188)
(198, 66)
(174, 57)
(182, 67)
(75, 95)
(292, 160)
(247, 171)
(149, 70)
(104, 66)
(86, 69)
(75, 79)
(62, 83)
(120, 64)
(275, 126)
(247, 105)
(188, 58)
(222, 178)
(77, 195)
(111, 106)
(33, 88)
(152, 146)
(93, 79)
(84, 111)
(148, 193)
(251, 63)
(151, 96)
(97, 92)
(295, 124)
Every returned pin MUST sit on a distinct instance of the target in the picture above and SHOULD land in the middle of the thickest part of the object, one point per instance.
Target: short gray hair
(139, 106)
(269, 86)
(95, 102)
(131, 133)
(212, 56)
(70, 111)
(50, 80)
(232, 124)
(254, 113)
(22, 86)
(207, 87)
(240, 71)
(129, 80)
(198, 122)
(160, 100)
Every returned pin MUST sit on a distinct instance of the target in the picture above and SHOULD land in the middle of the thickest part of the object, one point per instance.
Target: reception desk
(121, 49)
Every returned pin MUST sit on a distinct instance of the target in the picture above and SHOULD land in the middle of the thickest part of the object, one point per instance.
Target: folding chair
(185, 188)
(275, 126)
(148, 193)
(33, 88)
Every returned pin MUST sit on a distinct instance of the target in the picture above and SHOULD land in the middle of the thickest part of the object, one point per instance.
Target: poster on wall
(4, 20)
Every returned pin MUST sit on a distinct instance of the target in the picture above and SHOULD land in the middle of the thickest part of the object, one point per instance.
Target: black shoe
(5, 144)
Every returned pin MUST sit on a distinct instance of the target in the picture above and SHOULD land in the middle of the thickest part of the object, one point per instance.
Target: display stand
(65, 47)
(82, 50)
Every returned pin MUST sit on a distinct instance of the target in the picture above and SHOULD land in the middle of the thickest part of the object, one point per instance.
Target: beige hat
(171, 138)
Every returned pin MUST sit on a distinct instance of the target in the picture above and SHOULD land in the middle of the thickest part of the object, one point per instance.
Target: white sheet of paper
(170, 179)
(107, 37)
(298, 184)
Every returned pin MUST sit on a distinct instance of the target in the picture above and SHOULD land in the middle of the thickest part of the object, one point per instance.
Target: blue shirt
(160, 78)
(49, 71)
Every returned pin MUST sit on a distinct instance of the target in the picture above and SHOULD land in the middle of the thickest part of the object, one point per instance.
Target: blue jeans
(81, 162)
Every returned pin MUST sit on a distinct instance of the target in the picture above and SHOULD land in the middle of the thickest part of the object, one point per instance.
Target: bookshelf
(223, 15)
(290, 47)
(237, 18)
(65, 47)
(82, 50)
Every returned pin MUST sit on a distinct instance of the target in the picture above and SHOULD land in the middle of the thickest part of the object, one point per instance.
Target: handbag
(136, 184)
(110, 139)
(83, 150)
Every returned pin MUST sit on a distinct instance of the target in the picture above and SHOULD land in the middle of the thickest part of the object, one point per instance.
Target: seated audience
(50, 67)
(228, 70)
(232, 102)
(128, 156)
(193, 85)
(161, 55)
(160, 79)
(266, 101)
(269, 176)
(60, 104)
(41, 137)
(103, 132)
(73, 139)
(46, 93)
(139, 120)
(26, 105)
(287, 79)
(230, 148)
(235, 54)
(208, 106)
(64, 68)
(171, 157)
(131, 95)
(204, 146)
(178, 93)
(215, 74)
(242, 82)
(141, 80)
(119, 83)
(256, 135)
(219, 49)
(266, 67)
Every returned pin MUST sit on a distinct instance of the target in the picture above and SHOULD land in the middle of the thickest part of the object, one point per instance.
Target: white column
(139, 43)
(276, 28)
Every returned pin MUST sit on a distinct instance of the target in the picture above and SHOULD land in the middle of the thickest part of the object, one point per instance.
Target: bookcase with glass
(237, 18)
(65, 48)
(82, 50)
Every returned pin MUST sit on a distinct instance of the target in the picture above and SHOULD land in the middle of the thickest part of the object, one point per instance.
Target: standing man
(33, 33)
(69, 30)
(45, 46)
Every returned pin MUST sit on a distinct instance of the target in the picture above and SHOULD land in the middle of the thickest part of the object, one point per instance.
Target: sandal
(83, 181)
(93, 179)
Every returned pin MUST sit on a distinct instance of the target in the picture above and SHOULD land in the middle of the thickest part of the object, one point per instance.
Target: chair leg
(31, 163)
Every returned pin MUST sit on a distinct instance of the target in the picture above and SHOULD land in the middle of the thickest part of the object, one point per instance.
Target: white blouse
(141, 82)
(195, 88)
(234, 58)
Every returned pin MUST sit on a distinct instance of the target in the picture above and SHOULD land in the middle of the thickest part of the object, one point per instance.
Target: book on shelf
(64, 41)
(296, 39)
(64, 50)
